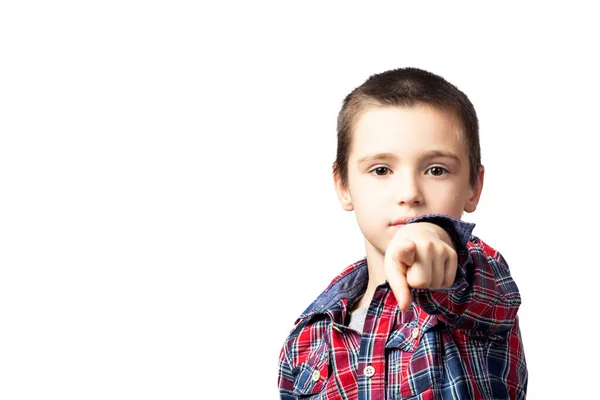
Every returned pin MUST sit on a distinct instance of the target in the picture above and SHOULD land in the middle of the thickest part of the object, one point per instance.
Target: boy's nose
(408, 191)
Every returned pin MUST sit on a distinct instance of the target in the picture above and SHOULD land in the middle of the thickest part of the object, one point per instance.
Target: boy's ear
(342, 192)
(475, 192)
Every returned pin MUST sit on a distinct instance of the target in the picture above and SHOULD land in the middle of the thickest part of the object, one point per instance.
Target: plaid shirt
(459, 343)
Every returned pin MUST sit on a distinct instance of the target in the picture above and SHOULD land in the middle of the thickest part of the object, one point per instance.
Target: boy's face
(405, 162)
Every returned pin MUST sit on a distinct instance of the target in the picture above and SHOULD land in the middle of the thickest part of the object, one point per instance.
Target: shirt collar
(345, 289)
(350, 284)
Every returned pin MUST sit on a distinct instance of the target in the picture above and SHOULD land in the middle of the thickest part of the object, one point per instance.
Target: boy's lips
(402, 221)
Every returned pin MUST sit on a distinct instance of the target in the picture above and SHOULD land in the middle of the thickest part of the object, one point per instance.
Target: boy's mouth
(402, 221)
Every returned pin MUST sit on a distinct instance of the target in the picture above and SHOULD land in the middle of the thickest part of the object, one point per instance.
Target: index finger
(395, 271)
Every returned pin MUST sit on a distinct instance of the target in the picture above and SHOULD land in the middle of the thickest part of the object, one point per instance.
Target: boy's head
(425, 133)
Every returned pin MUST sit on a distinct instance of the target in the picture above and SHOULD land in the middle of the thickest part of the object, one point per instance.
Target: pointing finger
(395, 270)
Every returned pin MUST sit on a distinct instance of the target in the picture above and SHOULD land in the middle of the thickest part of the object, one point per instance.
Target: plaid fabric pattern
(459, 343)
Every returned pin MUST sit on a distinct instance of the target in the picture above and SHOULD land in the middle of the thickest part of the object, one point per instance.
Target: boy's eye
(437, 171)
(380, 171)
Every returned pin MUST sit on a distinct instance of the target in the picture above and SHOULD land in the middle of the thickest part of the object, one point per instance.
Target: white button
(369, 371)
(316, 375)
(415, 333)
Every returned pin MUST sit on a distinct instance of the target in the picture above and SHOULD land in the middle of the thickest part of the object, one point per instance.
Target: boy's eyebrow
(376, 157)
(426, 155)
(441, 153)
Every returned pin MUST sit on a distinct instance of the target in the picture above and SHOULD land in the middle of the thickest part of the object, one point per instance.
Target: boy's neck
(376, 276)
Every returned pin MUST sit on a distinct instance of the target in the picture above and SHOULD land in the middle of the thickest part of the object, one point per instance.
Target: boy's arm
(484, 299)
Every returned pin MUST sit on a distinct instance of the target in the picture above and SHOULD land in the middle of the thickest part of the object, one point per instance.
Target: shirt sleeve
(484, 299)
(286, 378)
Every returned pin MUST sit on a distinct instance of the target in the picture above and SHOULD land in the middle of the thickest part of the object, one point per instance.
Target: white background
(166, 201)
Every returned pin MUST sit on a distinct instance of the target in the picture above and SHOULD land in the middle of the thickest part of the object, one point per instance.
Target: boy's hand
(420, 256)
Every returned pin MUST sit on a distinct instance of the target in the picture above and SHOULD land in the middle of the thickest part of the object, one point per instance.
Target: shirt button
(316, 375)
(369, 371)
(415, 333)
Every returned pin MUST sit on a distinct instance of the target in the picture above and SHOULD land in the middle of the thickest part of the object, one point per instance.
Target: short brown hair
(406, 87)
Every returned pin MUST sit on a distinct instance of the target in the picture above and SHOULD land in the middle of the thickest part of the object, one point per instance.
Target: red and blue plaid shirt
(459, 343)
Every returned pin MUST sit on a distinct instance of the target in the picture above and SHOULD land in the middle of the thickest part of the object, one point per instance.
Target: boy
(431, 311)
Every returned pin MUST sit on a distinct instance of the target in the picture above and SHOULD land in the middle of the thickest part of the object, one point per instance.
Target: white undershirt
(357, 319)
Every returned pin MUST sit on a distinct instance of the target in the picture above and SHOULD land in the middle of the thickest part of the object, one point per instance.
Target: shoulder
(491, 266)
(480, 251)
(476, 244)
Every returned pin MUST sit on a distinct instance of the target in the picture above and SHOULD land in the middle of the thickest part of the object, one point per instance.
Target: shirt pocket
(311, 377)
(414, 363)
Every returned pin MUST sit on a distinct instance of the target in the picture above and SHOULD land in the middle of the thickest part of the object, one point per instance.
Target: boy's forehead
(417, 117)
(399, 128)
